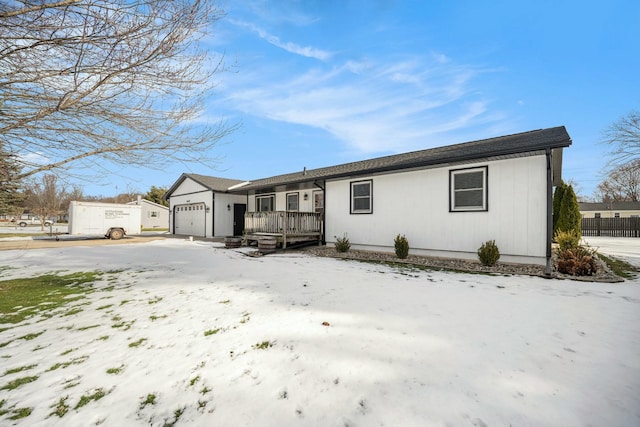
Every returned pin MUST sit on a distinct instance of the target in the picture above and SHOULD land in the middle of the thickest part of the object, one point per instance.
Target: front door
(239, 210)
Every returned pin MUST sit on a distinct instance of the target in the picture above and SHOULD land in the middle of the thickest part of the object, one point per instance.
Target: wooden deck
(286, 227)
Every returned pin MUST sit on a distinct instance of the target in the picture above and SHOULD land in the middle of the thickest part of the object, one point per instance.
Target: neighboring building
(153, 214)
(202, 206)
(447, 201)
(610, 209)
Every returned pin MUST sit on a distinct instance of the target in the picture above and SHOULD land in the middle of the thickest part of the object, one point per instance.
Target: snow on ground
(625, 248)
(398, 347)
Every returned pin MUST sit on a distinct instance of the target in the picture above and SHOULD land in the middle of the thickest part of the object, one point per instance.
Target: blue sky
(318, 83)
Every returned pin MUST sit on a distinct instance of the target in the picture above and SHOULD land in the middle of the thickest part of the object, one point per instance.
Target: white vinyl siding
(468, 189)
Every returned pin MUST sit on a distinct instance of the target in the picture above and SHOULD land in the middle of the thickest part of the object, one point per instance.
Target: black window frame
(485, 189)
(352, 209)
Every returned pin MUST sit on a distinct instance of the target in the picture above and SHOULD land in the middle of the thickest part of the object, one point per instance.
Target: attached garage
(201, 206)
(190, 219)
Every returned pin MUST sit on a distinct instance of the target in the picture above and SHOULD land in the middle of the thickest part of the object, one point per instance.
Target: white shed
(153, 214)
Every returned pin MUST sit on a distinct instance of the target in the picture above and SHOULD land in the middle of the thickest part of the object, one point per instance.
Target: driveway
(625, 248)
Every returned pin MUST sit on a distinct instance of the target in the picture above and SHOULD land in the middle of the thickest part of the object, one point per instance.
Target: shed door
(190, 219)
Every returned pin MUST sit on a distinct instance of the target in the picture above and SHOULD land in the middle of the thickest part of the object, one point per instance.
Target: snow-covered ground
(343, 343)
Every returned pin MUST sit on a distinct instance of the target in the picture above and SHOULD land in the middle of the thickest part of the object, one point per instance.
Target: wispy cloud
(306, 51)
(370, 105)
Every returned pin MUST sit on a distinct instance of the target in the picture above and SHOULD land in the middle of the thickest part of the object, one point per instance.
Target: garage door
(190, 219)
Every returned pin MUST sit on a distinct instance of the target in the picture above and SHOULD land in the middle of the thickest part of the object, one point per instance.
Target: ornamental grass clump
(577, 261)
(488, 254)
(402, 246)
(567, 239)
(342, 243)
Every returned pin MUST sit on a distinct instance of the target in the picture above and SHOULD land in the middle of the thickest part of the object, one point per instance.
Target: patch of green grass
(619, 267)
(124, 325)
(155, 300)
(137, 343)
(73, 311)
(12, 385)
(86, 398)
(40, 347)
(63, 365)
(104, 307)
(149, 400)
(205, 390)
(176, 416)
(42, 294)
(263, 345)
(72, 382)
(154, 317)
(20, 413)
(194, 380)
(115, 371)
(103, 338)
(60, 408)
(211, 332)
(84, 328)
(19, 369)
(124, 301)
(64, 353)
(30, 337)
(227, 301)
(245, 317)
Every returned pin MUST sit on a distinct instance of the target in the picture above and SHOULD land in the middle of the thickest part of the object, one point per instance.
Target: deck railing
(280, 222)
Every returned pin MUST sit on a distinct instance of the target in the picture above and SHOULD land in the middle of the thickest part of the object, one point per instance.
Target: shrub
(342, 243)
(569, 216)
(402, 246)
(557, 202)
(578, 261)
(567, 239)
(489, 253)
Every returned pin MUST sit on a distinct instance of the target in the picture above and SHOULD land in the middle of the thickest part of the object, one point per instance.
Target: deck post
(284, 230)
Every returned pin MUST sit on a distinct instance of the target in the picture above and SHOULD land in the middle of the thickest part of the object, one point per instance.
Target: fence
(611, 227)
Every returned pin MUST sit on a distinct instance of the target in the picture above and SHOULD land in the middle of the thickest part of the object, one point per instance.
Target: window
(616, 215)
(265, 203)
(361, 197)
(597, 215)
(153, 214)
(468, 190)
(292, 201)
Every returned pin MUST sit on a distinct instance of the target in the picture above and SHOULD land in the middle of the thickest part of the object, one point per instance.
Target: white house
(447, 201)
(153, 214)
(609, 209)
(202, 206)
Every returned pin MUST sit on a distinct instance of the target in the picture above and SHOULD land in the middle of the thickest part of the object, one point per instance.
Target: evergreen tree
(10, 194)
(570, 217)
(155, 195)
(557, 201)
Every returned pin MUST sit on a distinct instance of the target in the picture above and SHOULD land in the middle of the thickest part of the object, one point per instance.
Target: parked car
(23, 222)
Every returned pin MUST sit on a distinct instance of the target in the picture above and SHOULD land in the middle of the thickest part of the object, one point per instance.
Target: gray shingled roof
(211, 182)
(500, 146)
(609, 206)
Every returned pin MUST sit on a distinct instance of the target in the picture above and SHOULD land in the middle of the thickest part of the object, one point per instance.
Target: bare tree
(621, 184)
(89, 84)
(624, 136)
(46, 198)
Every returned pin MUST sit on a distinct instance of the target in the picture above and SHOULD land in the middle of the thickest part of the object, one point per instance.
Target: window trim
(265, 196)
(485, 190)
(297, 194)
(352, 209)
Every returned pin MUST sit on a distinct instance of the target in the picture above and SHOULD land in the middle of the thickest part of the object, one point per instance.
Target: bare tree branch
(98, 82)
(624, 137)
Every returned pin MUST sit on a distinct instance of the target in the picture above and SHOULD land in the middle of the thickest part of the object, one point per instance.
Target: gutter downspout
(547, 270)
